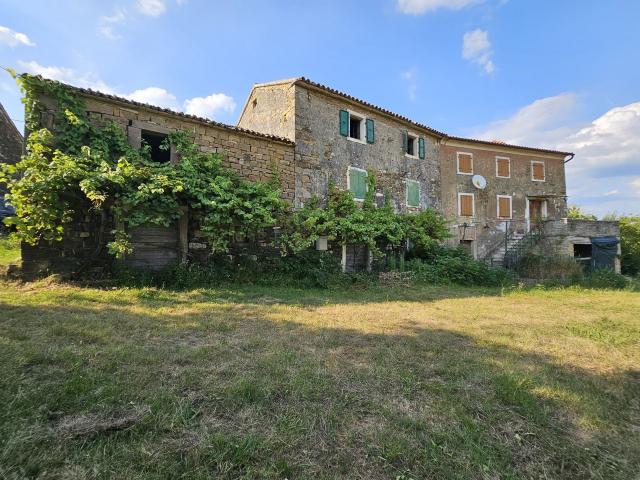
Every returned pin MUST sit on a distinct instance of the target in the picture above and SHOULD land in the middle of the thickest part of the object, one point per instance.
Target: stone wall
(10, 139)
(485, 229)
(253, 156)
(324, 156)
(560, 236)
(270, 109)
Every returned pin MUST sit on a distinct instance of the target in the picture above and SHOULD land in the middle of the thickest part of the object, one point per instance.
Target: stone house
(494, 194)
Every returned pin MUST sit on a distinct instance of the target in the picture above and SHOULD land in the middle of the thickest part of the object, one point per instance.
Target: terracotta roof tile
(95, 93)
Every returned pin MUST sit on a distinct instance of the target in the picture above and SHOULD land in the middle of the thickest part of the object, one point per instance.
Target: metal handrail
(513, 255)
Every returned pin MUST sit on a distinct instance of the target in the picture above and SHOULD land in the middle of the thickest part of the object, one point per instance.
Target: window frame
(510, 197)
(366, 185)
(416, 147)
(498, 158)
(544, 171)
(458, 163)
(363, 127)
(407, 182)
(473, 204)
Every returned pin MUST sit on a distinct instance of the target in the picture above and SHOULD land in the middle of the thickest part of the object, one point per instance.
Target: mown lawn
(281, 383)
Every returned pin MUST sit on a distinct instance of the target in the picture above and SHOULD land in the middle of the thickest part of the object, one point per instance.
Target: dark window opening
(411, 145)
(582, 250)
(355, 125)
(154, 141)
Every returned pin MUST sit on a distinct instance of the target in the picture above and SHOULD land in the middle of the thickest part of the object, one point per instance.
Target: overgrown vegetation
(630, 244)
(81, 164)
(271, 383)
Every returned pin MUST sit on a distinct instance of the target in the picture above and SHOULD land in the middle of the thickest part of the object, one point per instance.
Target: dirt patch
(73, 426)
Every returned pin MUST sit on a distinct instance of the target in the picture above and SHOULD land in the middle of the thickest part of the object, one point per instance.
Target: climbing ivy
(81, 164)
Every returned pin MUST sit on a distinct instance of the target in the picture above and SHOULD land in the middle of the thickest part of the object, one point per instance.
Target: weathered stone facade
(324, 156)
(303, 130)
(254, 156)
(10, 139)
(484, 229)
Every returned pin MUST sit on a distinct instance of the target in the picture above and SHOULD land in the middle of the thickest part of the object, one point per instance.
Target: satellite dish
(479, 182)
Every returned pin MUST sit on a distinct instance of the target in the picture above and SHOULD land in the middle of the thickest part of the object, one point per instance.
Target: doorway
(536, 211)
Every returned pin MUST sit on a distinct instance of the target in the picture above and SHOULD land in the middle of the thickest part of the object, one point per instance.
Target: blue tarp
(604, 251)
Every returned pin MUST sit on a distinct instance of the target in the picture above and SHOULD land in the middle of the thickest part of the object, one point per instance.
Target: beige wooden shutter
(504, 167)
(504, 207)
(466, 205)
(465, 164)
(538, 171)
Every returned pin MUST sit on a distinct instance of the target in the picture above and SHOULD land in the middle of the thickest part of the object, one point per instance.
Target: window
(504, 206)
(465, 163)
(154, 141)
(503, 167)
(357, 182)
(537, 171)
(466, 207)
(411, 145)
(413, 193)
(356, 127)
(467, 245)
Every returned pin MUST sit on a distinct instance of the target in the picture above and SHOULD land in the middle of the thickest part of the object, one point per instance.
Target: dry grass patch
(283, 383)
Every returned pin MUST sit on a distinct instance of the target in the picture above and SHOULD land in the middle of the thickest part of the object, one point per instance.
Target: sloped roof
(306, 82)
(95, 93)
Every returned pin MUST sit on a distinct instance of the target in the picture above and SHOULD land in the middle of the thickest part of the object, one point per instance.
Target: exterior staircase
(510, 250)
(497, 257)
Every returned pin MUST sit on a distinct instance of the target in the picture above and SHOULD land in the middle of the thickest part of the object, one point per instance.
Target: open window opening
(582, 250)
(154, 140)
(411, 145)
(355, 127)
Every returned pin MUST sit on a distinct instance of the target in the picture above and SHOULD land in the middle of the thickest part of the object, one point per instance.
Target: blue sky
(543, 73)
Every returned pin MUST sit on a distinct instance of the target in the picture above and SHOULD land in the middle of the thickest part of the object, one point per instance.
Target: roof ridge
(320, 86)
(97, 93)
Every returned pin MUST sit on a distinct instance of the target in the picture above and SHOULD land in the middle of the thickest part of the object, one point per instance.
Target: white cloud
(109, 22)
(66, 75)
(604, 176)
(155, 96)
(412, 86)
(477, 48)
(210, 106)
(152, 8)
(418, 7)
(13, 39)
(541, 122)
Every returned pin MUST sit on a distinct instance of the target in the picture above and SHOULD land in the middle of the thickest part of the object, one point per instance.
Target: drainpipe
(571, 155)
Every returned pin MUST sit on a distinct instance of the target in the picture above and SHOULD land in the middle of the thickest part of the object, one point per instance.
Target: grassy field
(280, 383)
(9, 250)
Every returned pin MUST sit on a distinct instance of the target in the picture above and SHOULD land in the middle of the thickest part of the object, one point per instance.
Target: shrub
(310, 269)
(605, 278)
(545, 267)
(630, 245)
(437, 264)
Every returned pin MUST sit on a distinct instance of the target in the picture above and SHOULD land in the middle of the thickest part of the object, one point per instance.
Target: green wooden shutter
(421, 148)
(371, 134)
(358, 183)
(405, 141)
(344, 123)
(413, 193)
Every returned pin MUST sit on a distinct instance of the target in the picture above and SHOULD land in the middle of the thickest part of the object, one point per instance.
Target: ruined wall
(559, 236)
(252, 156)
(324, 156)
(485, 229)
(270, 109)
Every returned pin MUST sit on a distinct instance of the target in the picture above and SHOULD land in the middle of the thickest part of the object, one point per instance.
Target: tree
(575, 212)
(630, 245)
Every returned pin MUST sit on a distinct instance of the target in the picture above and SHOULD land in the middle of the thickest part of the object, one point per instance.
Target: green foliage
(81, 165)
(345, 222)
(542, 267)
(630, 245)
(438, 264)
(311, 268)
(576, 213)
(605, 278)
